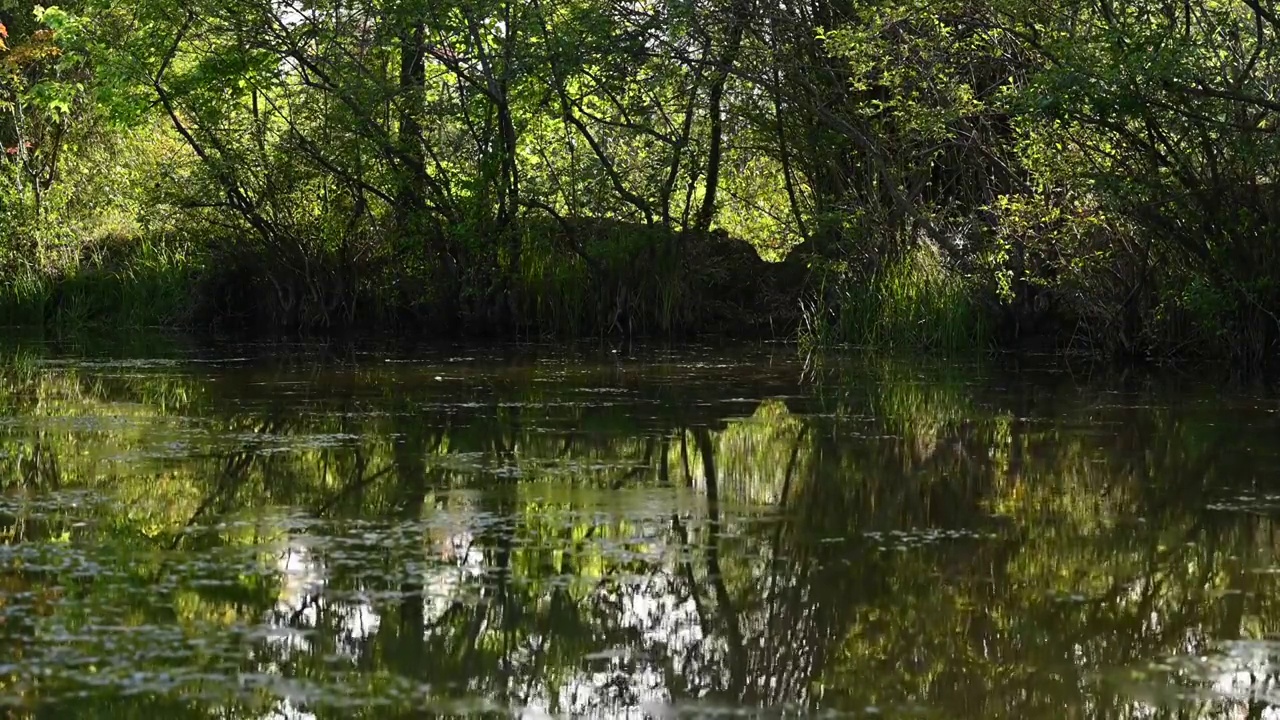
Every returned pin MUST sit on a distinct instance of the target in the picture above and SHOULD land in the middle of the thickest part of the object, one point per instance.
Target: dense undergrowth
(909, 173)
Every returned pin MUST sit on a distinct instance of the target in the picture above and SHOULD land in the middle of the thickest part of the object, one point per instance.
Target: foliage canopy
(1097, 174)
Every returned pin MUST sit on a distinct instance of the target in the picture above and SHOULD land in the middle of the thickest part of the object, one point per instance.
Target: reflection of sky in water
(302, 599)
(627, 684)
(288, 711)
(898, 504)
(620, 682)
(1247, 671)
(1237, 680)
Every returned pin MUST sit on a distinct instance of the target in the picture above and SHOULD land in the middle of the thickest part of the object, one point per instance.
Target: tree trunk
(409, 198)
(715, 154)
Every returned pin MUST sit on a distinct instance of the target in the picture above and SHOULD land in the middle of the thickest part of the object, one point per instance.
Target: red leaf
(4, 31)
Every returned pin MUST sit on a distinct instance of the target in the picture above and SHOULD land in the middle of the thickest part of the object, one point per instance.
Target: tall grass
(635, 287)
(917, 303)
(557, 294)
(150, 287)
(23, 295)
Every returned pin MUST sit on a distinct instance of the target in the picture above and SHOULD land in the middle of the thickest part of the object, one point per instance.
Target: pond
(298, 531)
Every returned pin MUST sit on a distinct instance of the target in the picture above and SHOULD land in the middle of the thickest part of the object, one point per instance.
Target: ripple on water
(675, 534)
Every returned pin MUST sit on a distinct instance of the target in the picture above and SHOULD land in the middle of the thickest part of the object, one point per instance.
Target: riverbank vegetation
(936, 173)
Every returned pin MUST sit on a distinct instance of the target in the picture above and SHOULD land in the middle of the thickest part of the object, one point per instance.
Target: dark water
(286, 532)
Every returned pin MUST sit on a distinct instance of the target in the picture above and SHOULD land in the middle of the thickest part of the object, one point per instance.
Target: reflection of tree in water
(888, 542)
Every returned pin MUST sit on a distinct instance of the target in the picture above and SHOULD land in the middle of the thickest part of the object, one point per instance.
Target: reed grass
(640, 282)
(635, 287)
(150, 288)
(917, 303)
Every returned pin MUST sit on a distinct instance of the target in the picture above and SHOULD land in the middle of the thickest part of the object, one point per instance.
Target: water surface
(299, 532)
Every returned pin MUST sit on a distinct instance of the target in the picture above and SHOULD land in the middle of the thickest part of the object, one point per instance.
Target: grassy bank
(916, 303)
(153, 288)
(620, 280)
(609, 279)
